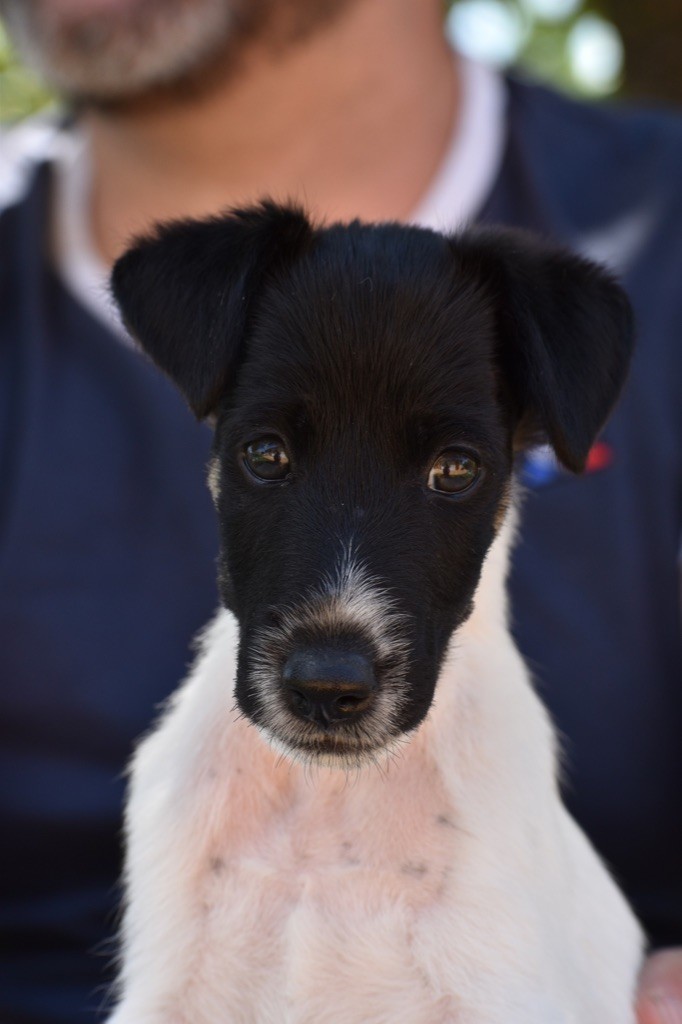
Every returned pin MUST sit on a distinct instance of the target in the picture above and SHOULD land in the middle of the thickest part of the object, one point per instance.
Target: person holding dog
(358, 108)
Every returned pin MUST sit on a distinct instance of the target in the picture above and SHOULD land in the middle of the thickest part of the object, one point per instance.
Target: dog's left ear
(566, 331)
(185, 291)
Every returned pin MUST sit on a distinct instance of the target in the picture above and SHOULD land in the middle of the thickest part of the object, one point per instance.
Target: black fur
(186, 292)
(566, 332)
(370, 350)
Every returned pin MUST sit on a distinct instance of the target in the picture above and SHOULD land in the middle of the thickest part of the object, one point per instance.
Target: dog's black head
(369, 385)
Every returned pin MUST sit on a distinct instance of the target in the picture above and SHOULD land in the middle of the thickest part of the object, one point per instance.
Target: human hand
(659, 999)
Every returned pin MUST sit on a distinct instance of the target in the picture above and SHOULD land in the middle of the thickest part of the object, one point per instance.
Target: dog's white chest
(449, 888)
(320, 900)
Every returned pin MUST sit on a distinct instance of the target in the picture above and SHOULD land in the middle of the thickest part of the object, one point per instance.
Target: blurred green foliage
(545, 54)
(20, 91)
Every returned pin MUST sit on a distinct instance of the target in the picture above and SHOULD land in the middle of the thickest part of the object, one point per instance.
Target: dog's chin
(337, 750)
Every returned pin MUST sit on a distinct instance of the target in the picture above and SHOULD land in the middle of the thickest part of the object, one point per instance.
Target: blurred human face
(104, 50)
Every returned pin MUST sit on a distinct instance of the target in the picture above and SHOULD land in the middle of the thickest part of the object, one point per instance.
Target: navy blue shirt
(108, 542)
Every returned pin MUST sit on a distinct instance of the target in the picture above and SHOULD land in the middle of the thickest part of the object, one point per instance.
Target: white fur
(446, 885)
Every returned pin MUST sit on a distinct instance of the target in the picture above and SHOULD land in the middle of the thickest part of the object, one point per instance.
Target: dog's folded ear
(566, 332)
(186, 290)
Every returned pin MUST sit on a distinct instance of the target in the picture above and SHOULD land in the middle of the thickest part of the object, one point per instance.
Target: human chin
(117, 49)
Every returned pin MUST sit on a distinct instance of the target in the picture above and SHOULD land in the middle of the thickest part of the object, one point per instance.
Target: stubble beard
(153, 48)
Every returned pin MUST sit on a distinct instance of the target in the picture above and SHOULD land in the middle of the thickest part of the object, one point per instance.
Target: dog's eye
(453, 472)
(267, 458)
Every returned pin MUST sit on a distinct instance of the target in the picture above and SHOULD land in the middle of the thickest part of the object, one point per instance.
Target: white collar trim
(80, 265)
(472, 163)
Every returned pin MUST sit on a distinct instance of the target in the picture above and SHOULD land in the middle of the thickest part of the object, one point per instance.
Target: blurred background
(592, 49)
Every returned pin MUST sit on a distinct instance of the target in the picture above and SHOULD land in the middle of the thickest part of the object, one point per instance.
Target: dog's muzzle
(328, 687)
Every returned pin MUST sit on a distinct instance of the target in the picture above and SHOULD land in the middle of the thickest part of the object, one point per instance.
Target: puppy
(349, 813)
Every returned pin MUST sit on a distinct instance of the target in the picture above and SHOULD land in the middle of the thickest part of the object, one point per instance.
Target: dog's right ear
(566, 336)
(185, 291)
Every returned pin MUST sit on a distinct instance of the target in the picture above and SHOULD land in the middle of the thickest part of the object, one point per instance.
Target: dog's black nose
(328, 685)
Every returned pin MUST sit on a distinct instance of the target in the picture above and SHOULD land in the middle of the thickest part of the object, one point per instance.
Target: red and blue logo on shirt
(540, 466)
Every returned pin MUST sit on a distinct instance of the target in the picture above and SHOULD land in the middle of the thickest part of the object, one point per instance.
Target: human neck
(364, 140)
